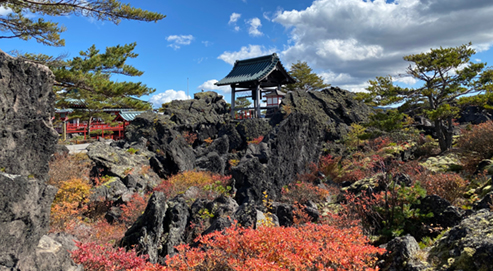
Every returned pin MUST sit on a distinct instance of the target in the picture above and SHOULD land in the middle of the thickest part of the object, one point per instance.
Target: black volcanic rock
(333, 108)
(292, 146)
(27, 139)
(27, 142)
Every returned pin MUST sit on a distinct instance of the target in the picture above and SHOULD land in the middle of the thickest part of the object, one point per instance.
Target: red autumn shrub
(450, 186)
(256, 140)
(95, 257)
(302, 192)
(478, 140)
(307, 247)
(133, 209)
(329, 166)
(356, 167)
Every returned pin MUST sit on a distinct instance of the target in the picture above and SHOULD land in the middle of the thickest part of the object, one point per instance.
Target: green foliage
(355, 135)
(388, 121)
(242, 102)
(132, 150)
(20, 23)
(447, 74)
(306, 79)
(389, 212)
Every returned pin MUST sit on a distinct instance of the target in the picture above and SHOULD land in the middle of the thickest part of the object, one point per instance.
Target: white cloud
(209, 85)
(482, 47)
(234, 18)
(405, 80)
(246, 52)
(353, 41)
(477, 60)
(158, 99)
(5, 11)
(207, 43)
(177, 41)
(253, 30)
(266, 16)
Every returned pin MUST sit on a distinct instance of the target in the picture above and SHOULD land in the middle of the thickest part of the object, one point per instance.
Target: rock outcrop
(467, 246)
(334, 109)
(286, 151)
(26, 144)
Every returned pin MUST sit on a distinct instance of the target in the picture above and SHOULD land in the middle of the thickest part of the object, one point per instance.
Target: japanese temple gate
(258, 75)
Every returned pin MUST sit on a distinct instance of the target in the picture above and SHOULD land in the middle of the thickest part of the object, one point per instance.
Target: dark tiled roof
(253, 69)
(130, 115)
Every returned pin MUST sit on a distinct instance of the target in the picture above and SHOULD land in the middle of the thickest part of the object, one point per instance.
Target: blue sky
(347, 42)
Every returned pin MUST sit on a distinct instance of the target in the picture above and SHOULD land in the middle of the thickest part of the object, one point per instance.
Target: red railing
(117, 130)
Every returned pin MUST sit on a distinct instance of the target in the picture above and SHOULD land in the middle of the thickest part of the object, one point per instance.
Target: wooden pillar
(64, 130)
(233, 98)
(257, 101)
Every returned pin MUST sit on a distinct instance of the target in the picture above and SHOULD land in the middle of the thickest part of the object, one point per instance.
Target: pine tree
(86, 80)
(17, 24)
(447, 74)
(306, 79)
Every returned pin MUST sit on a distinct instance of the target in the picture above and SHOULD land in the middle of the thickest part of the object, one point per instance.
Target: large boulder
(334, 109)
(130, 165)
(28, 138)
(474, 115)
(160, 228)
(288, 151)
(467, 246)
(203, 116)
(25, 203)
(402, 255)
(27, 142)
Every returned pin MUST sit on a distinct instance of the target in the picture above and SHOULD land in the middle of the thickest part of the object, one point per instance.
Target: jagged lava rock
(28, 138)
(467, 246)
(26, 145)
(292, 146)
(334, 109)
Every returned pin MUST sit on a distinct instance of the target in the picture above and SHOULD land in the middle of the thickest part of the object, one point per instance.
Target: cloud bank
(353, 41)
(169, 95)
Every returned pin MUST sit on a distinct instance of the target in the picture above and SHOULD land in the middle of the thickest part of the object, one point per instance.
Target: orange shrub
(256, 140)
(478, 140)
(450, 186)
(211, 185)
(307, 247)
(69, 204)
(189, 137)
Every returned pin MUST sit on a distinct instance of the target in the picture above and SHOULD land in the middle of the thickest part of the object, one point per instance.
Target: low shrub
(450, 186)
(307, 247)
(302, 192)
(65, 167)
(211, 185)
(96, 257)
(256, 140)
(133, 208)
(69, 204)
(189, 137)
(478, 140)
